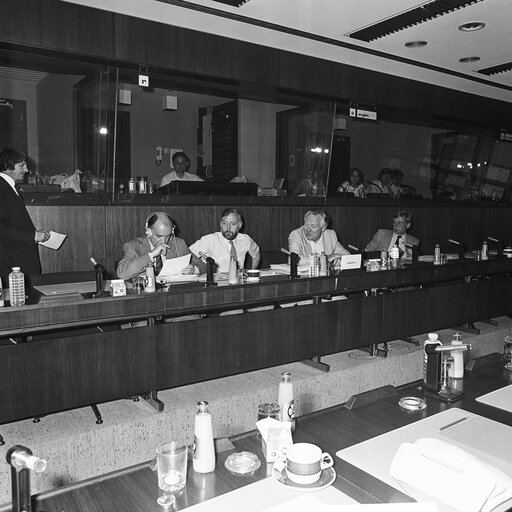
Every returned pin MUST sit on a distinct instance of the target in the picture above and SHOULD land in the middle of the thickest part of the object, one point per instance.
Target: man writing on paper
(385, 239)
(159, 244)
(314, 237)
(18, 236)
(228, 243)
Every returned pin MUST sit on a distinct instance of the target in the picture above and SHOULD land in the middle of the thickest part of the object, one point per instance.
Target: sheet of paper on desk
(173, 266)
(55, 240)
(284, 268)
(501, 398)
(311, 503)
(259, 496)
(66, 288)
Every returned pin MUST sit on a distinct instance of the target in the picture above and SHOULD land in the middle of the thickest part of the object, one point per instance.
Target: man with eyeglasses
(314, 237)
(385, 239)
(158, 244)
(18, 236)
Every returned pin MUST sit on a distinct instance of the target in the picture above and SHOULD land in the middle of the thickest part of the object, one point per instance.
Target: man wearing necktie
(385, 239)
(159, 244)
(18, 236)
(228, 243)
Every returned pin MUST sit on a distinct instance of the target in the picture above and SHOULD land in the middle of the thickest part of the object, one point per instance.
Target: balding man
(314, 237)
(158, 244)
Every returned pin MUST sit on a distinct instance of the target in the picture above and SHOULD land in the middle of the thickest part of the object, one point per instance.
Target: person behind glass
(158, 244)
(397, 177)
(228, 243)
(354, 184)
(385, 239)
(18, 236)
(181, 164)
(311, 186)
(314, 237)
(382, 185)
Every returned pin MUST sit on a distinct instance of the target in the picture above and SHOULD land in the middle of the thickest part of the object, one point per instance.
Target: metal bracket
(152, 399)
(316, 362)
(469, 328)
(97, 413)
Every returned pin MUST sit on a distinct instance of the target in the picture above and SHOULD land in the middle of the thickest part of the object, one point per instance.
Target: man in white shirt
(228, 243)
(181, 164)
(385, 239)
(314, 237)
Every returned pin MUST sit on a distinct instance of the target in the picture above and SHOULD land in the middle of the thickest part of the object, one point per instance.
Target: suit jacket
(136, 256)
(17, 245)
(299, 244)
(382, 239)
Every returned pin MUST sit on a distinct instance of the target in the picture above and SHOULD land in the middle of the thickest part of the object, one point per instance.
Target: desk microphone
(460, 245)
(210, 266)
(99, 279)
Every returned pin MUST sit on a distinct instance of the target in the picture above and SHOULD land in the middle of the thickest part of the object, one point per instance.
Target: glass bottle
(149, 285)
(285, 400)
(17, 287)
(233, 277)
(2, 303)
(204, 447)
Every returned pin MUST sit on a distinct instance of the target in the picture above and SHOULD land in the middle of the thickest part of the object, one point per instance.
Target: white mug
(305, 463)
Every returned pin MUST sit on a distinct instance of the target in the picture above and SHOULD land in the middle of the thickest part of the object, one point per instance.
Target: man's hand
(334, 258)
(159, 249)
(189, 269)
(41, 236)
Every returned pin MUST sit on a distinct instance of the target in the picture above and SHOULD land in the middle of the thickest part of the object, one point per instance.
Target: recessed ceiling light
(416, 44)
(472, 26)
(469, 59)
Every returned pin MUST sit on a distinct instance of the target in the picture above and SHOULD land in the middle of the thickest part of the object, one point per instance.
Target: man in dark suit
(385, 239)
(18, 236)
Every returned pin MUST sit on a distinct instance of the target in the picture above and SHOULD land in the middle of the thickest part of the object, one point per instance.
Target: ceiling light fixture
(472, 26)
(416, 44)
(474, 58)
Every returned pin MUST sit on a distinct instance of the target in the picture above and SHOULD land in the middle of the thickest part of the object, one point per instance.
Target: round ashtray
(412, 403)
(242, 463)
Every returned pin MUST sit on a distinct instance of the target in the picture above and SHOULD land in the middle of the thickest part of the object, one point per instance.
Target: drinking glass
(507, 352)
(171, 461)
(268, 410)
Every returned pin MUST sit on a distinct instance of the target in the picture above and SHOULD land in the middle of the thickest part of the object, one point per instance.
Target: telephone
(158, 155)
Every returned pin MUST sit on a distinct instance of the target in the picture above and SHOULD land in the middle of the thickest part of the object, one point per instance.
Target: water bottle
(485, 254)
(17, 287)
(437, 255)
(2, 303)
(204, 448)
(233, 268)
(150, 285)
(430, 361)
(285, 400)
(456, 370)
(323, 264)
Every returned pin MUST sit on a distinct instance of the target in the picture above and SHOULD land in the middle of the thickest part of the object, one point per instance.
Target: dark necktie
(232, 252)
(398, 238)
(158, 264)
(20, 192)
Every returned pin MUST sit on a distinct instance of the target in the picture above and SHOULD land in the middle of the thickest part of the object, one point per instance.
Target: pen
(460, 420)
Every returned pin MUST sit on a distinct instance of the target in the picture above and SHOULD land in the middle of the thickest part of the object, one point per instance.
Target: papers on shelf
(174, 266)
(284, 268)
(501, 398)
(62, 289)
(178, 278)
(55, 240)
(429, 258)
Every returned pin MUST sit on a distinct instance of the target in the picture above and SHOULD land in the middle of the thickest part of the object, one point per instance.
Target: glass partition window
(56, 113)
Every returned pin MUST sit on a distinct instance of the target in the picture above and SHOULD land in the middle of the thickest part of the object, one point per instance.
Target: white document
(55, 240)
(501, 398)
(174, 266)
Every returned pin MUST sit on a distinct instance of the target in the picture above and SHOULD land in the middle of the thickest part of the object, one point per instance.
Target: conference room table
(83, 340)
(135, 488)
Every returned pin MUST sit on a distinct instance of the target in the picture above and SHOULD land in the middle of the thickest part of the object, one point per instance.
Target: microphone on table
(460, 245)
(210, 267)
(99, 278)
(498, 243)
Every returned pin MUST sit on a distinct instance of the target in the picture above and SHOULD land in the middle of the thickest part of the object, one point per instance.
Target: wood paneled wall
(100, 231)
(79, 31)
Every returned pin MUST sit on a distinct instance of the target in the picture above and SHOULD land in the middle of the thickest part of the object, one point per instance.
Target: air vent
(494, 70)
(233, 3)
(410, 18)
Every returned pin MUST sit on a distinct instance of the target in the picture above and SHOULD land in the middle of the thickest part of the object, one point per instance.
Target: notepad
(55, 241)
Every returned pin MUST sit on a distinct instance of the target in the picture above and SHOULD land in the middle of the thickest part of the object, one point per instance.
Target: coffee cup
(253, 275)
(305, 463)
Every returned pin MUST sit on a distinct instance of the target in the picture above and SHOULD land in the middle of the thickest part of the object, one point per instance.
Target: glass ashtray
(242, 463)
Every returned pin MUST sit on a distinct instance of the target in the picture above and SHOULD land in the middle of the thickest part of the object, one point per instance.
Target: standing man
(385, 239)
(314, 237)
(159, 244)
(181, 164)
(18, 236)
(228, 242)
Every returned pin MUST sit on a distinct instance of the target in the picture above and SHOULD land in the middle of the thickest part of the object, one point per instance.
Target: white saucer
(326, 479)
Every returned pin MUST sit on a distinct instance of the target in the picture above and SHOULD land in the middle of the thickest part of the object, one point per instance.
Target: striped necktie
(232, 252)
(398, 238)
